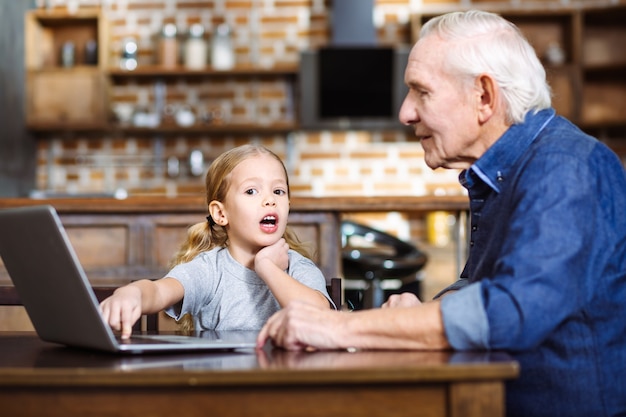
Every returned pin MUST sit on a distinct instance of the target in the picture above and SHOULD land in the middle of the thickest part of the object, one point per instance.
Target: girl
(236, 269)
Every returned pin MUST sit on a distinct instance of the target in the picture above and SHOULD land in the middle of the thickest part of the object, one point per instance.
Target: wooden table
(42, 379)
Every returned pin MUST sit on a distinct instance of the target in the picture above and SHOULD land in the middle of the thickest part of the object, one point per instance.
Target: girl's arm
(122, 309)
(270, 264)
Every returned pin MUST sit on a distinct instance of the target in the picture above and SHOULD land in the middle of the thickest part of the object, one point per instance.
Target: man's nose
(408, 112)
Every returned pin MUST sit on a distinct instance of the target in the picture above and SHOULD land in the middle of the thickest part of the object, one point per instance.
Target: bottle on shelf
(91, 52)
(222, 52)
(168, 46)
(195, 48)
(67, 54)
(128, 60)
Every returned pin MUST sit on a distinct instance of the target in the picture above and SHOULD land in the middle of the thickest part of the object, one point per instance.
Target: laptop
(58, 297)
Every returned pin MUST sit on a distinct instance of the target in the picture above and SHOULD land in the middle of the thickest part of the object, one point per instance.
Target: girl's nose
(269, 201)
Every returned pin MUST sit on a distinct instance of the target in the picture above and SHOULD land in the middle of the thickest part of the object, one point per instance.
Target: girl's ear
(217, 212)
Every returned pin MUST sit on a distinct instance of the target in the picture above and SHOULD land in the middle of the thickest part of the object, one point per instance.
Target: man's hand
(302, 326)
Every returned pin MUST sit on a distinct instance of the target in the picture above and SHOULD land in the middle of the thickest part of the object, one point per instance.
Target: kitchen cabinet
(65, 60)
(603, 66)
(60, 98)
(83, 94)
(122, 240)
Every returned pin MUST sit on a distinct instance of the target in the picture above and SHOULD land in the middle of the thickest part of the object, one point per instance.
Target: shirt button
(474, 228)
(471, 243)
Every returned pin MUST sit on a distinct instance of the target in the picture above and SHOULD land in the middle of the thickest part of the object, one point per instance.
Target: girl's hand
(122, 309)
(276, 254)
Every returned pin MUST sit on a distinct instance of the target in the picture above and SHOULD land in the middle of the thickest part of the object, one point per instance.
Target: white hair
(485, 43)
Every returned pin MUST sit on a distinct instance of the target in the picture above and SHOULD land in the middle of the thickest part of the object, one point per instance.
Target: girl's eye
(251, 191)
(280, 192)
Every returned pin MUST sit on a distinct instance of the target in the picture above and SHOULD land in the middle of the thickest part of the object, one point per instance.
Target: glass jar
(67, 54)
(91, 52)
(128, 60)
(195, 48)
(222, 53)
(168, 46)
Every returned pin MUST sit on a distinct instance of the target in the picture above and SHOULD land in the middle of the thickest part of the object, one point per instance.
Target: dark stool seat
(373, 255)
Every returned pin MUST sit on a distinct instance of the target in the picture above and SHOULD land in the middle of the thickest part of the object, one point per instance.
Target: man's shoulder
(562, 134)
(564, 138)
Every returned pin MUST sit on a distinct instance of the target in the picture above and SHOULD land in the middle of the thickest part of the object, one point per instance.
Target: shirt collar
(493, 167)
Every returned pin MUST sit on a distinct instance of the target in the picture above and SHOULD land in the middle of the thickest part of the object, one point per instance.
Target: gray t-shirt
(222, 294)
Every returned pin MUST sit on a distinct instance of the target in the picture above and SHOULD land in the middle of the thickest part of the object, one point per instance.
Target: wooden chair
(335, 292)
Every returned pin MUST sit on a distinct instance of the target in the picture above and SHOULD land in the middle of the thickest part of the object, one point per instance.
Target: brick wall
(266, 33)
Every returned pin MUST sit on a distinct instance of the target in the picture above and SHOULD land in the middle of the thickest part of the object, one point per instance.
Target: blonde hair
(206, 235)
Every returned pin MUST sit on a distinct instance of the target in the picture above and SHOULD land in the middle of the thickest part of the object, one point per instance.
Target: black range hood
(352, 23)
(352, 83)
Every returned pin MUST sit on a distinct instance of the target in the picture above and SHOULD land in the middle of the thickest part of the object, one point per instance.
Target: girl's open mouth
(269, 223)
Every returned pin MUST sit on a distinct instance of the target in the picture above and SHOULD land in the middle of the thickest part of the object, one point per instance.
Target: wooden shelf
(74, 96)
(47, 31)
(616, 67)
(155, 71)
(55, 106)
(207, 129)
(42, 127)
(63, 16)
(65, 127)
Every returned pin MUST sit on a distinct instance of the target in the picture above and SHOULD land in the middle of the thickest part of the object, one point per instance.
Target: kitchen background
(170, 162)
(263, 33)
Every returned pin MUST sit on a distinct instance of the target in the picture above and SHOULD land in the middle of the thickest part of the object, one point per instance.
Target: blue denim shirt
(546, 274)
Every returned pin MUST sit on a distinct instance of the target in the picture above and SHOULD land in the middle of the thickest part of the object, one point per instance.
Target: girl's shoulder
(211, 255)
(296, 258)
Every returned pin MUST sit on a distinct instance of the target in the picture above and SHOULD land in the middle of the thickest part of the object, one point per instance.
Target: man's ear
(488, 97)
(217, 212)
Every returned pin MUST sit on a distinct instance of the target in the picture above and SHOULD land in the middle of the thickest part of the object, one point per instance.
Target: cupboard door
(604, 66)
(66, 98)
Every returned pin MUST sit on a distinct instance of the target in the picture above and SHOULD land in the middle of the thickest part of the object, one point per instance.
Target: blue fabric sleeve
(464, 319)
